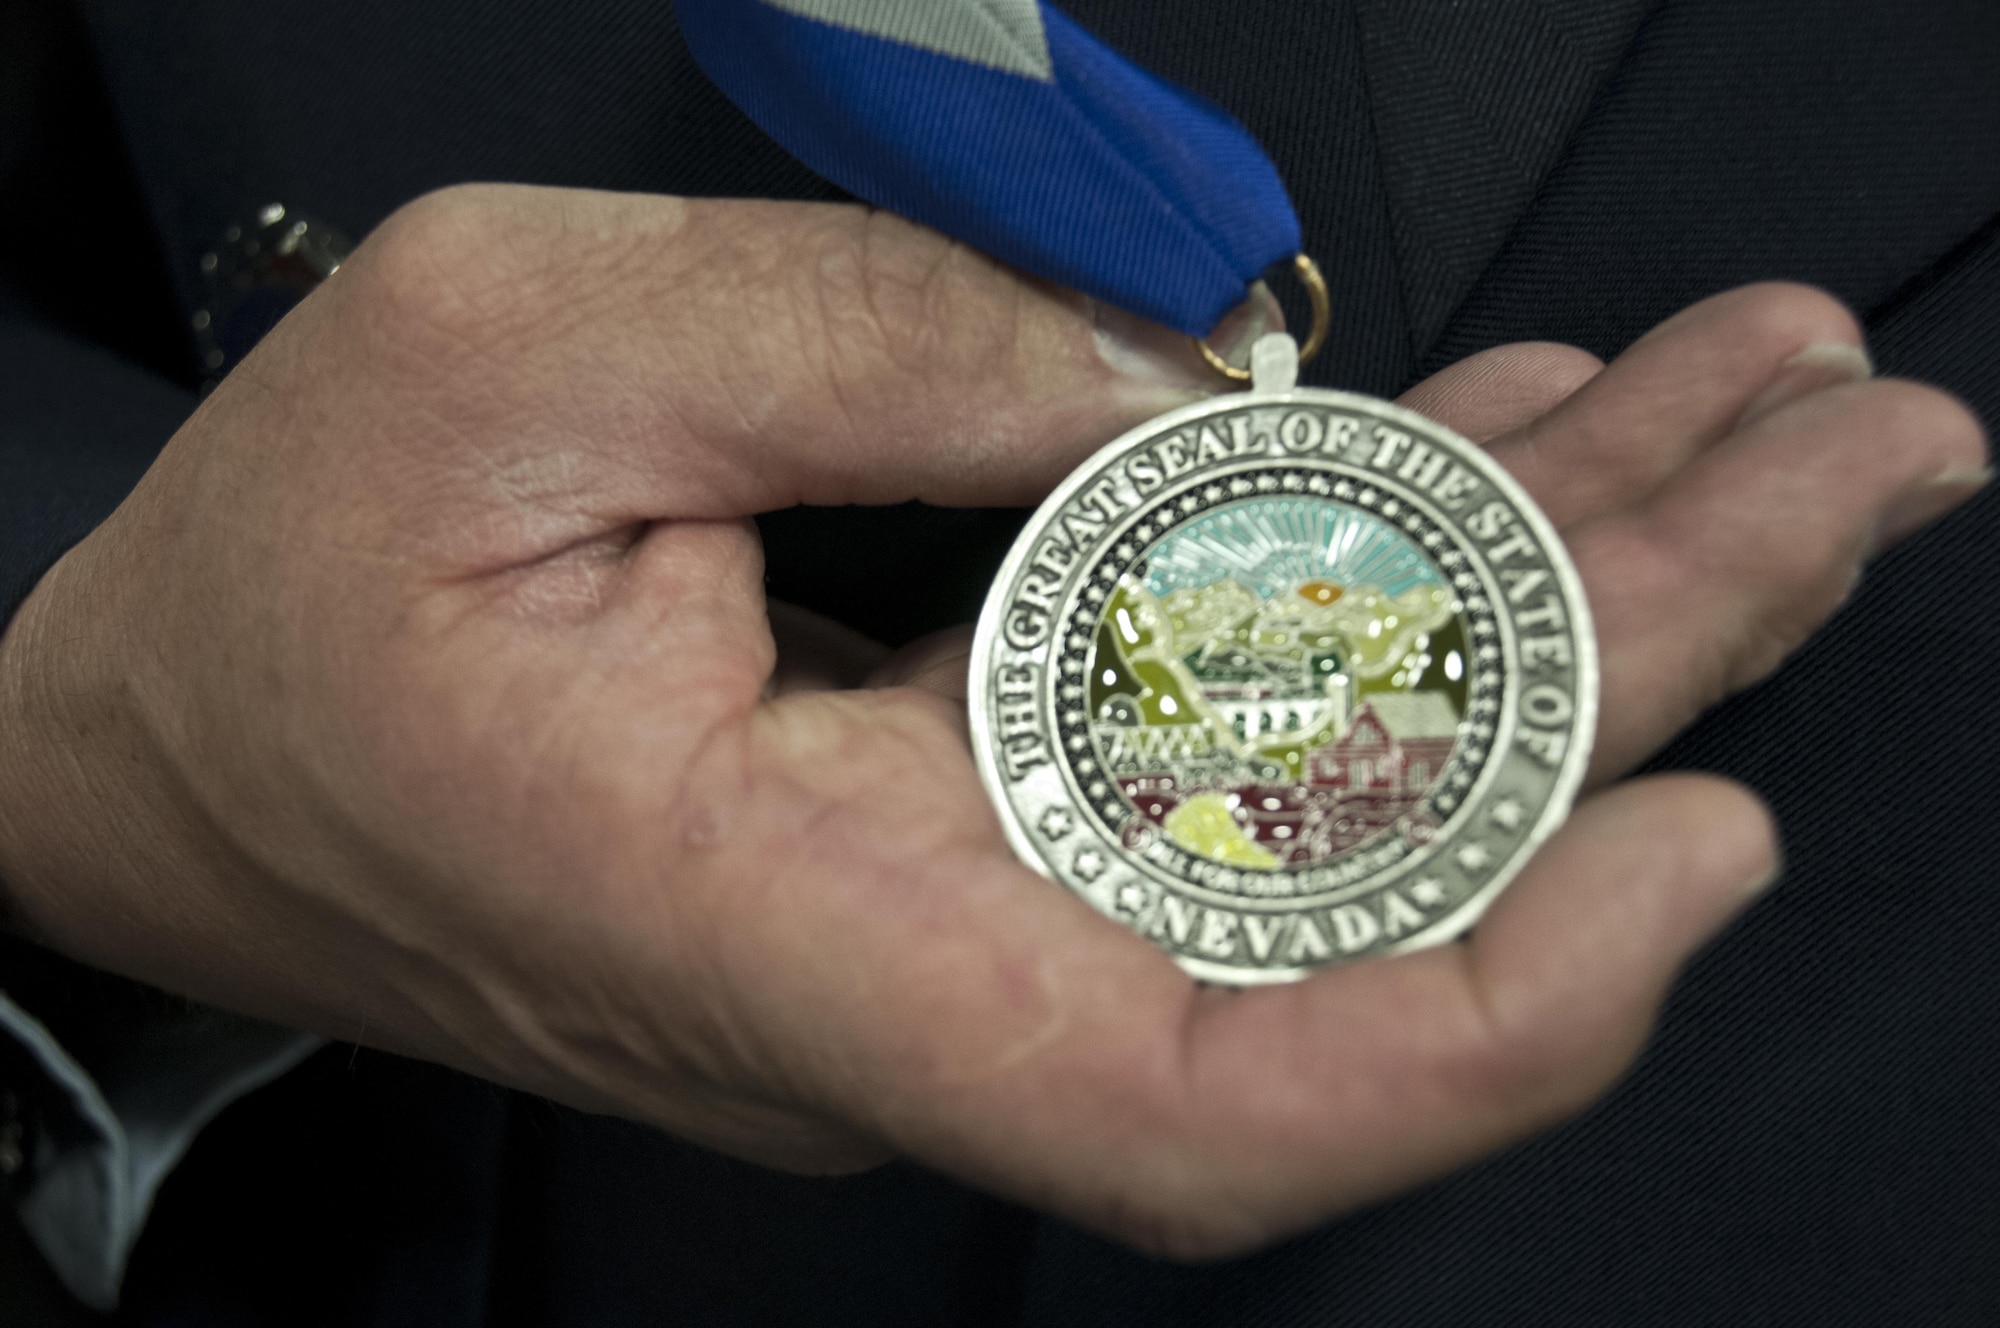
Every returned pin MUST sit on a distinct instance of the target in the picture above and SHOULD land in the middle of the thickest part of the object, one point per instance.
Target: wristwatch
(254, 277)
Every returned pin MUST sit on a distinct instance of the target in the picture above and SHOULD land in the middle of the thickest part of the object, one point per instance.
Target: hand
(424, 694)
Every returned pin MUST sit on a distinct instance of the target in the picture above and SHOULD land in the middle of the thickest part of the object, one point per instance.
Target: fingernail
(1240, 328)
(1762, 882)
(1158, 356)
(1819, 366)
(1925, 501)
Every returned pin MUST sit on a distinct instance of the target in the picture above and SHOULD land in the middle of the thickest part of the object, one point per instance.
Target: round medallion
(1285, 680)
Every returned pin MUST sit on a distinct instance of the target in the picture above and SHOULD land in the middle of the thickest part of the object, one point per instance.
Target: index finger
(717, 358)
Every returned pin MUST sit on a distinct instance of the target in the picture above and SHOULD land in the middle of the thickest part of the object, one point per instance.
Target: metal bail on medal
(1269, 373)
(1286, 679)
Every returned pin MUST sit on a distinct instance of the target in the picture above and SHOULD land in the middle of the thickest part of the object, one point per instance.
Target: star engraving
(1132, 899)
(1428, 892)
(1506, 814)
(1056, 823)
(1088, 865)
(1473, 857)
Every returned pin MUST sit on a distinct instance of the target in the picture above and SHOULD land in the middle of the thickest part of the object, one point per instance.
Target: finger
(1372, 1079)
(936, 664)
(634, 356)
(1707, 588)
(1503, 388)
(815, 653)
(1679, 390)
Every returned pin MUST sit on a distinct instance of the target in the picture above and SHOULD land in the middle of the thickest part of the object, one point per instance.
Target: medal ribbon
(1004, 124)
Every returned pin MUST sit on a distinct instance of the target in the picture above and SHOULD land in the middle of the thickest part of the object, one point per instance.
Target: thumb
(715, 358)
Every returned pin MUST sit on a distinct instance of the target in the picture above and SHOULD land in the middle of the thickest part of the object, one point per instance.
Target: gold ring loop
(1322, 307)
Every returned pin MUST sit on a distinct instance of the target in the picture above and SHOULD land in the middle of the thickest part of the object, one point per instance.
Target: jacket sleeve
(103, 1084)
(78, 427)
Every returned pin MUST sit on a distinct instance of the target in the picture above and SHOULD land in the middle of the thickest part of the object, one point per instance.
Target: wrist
(75, 812)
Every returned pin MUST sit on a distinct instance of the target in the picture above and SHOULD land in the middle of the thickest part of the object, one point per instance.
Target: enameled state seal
(1285, 680)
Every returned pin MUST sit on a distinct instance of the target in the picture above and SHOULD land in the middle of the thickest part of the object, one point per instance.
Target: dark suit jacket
(1814, 1137)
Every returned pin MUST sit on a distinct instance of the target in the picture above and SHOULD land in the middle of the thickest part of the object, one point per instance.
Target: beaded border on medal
(1364, 871)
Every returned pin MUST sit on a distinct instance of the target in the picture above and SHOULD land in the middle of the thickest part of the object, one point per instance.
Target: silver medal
(1285, 679)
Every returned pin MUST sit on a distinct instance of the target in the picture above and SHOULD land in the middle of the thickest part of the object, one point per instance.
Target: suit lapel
(1473, 102)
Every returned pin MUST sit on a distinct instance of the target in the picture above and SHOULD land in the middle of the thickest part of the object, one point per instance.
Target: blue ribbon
(1004, 124)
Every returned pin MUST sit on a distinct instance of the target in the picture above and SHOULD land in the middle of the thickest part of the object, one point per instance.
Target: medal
(1282, 680)
(1285, 679)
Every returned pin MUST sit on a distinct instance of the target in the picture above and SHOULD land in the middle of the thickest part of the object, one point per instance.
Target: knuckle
(900, 302)
(1795, 314)
(1765, 586)
(1544, 1065)
(430, 234)
(443, 264)
(1533, 1053)
(1504, 1060)
(905, 285)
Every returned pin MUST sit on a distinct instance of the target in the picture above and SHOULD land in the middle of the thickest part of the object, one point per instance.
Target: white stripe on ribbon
(1003, 34)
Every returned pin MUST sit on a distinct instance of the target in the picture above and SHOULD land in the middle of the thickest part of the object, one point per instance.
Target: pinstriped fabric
(1473, 102)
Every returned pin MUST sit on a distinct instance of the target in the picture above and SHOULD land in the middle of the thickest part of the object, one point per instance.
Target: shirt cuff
(100, 1139)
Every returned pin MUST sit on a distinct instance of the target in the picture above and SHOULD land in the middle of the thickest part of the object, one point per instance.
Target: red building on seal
(1394, 746)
